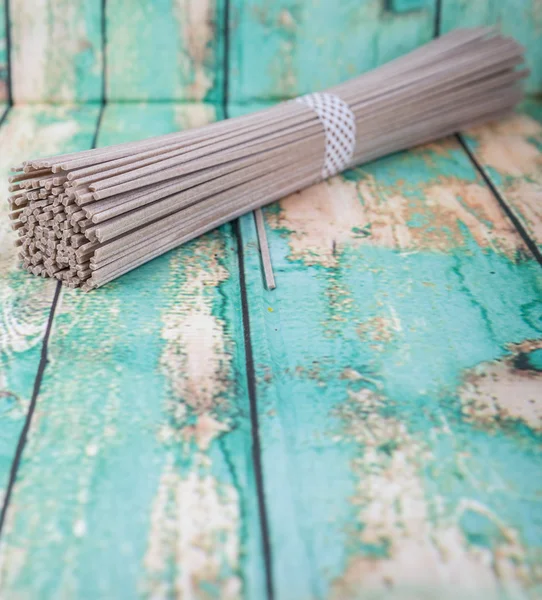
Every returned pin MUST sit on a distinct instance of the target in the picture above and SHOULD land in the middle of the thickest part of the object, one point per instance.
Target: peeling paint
(25, 307)
(194, 358)
(504, 146)
(498, 391)
(195, 17)
(411, 265)
(193, 540)
(46, 70)
(319, 220)
(323, 219)
(194, 115)
(135, 481)
(510, 151)
(378, 329)
(411, 546)
(306, 46)
(194, 532)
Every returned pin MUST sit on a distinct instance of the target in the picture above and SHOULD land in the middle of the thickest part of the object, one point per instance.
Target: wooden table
(370, 429)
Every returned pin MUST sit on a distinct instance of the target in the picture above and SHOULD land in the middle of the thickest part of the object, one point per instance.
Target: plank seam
(39, 375)
(8, 52)
(33, 401)
(98, 125)
(249, 358)
(5, 115)
(438, 19)
(104, 56)
(502, 202)
(226, 59)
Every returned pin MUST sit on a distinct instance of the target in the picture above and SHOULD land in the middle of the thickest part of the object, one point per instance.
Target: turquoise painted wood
(26, 301)
(3, 53)
(283, 49)
(398, 363)
(174, 50)
(56, 53)
(510, 152)
(520, 18)
(402, 6)
(398, 386)
(166, 50)
(137, 479)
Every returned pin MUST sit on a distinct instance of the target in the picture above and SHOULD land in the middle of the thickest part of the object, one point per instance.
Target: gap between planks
(530, 243)
(41, 366)
(249, 355)
(33, 401)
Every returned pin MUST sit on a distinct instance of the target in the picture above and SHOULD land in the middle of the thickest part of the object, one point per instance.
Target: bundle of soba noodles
(88, 217)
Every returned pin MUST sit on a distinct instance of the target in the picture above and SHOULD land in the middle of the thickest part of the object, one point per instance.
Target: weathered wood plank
(510, 152)
(174, 50)
(56, 53)
(3, 54)
(522, 19)
(398, 385)
(137, 477)
(25, 300)
(283, 49)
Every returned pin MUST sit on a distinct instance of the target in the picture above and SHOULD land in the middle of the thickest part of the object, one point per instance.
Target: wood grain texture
(25, 300)
(56, 53)
(137, 478)
(398, 367)
(283, 49)
(510, 152)
(402, 6)
(174, 49)
(521, 19)
(3, 54)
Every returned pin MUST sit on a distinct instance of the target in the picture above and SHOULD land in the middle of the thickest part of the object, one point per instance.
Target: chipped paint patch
(57, 49)
(25, 306)
(320, 220)
(526, 195)
(189, 116)
(504, 146)
(378, 329)
(409, 545)
(511, 152)
(286, 19)
(194, 359)
(431, 151)
(505, 389)
(472, 205)
(193, 542)
(323, 219)
(195, 18)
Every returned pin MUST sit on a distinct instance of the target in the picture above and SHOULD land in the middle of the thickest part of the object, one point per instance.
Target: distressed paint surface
(136, 479)
(398, 363)
(510, 152)
(520, 18)
(174, 49)
(3, 55)
(305, 46)
(56, 53)
(407, 308)
(25, 300)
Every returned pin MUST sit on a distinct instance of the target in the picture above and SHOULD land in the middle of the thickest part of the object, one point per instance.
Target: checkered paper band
(339, 125)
